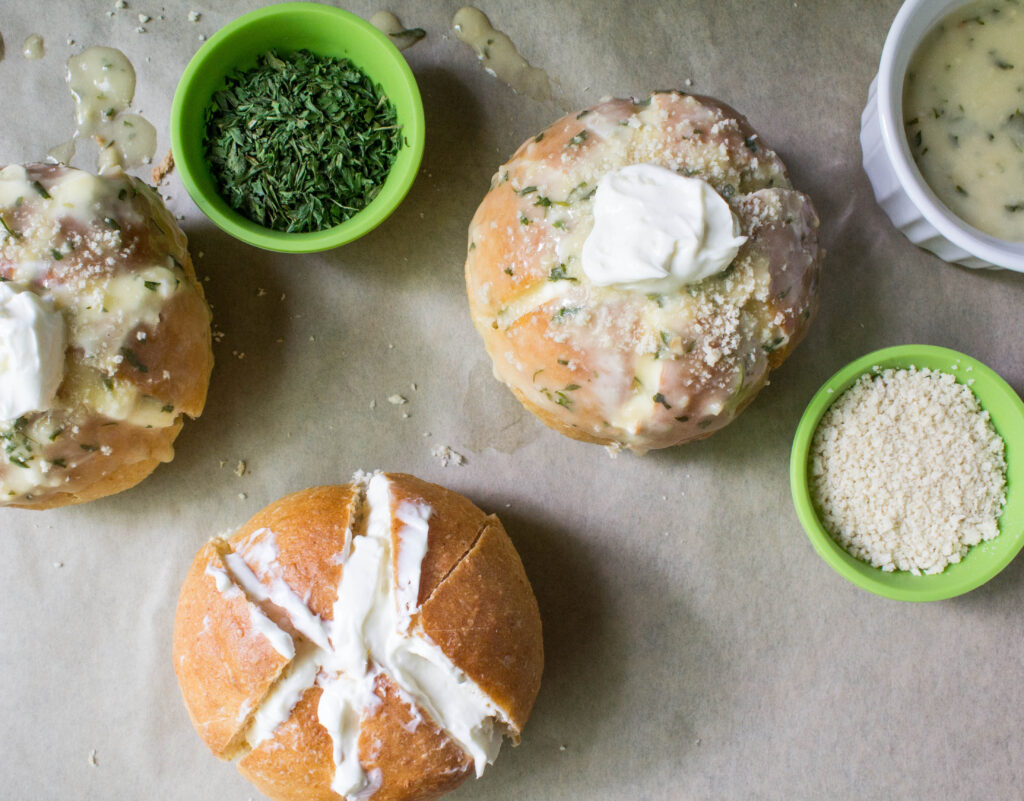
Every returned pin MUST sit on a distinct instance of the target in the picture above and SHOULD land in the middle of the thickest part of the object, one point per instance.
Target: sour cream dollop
(657, 231)
(32, 342)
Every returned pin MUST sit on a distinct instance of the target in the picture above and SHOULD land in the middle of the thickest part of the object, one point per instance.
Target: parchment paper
(697, 648)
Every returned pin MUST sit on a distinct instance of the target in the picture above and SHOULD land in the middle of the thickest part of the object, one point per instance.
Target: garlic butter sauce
(391, 26)
(499, 55)
(33, 48)
(102, 82)
(963, 110)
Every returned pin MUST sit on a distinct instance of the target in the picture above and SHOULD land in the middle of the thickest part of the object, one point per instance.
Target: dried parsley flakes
(300, 142)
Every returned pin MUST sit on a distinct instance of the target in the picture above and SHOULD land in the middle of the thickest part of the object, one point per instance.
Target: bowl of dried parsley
(297, 128)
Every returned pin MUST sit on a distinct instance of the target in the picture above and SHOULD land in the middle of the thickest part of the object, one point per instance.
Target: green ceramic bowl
(287, 27)
(983, 561)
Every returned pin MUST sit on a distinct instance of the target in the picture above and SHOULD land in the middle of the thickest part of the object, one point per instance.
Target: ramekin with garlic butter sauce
(897, 182)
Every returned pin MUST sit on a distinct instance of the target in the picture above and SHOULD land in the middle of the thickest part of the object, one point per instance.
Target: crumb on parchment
(447, 456)
(161, 170)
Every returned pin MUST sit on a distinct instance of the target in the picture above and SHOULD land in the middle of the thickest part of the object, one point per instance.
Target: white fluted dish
(899, 188)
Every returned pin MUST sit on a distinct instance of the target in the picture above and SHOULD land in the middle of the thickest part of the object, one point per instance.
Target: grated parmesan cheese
(907, 471)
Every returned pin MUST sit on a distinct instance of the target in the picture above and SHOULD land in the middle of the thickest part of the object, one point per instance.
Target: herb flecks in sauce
(963, 106)
(17, 445)
(300, 142)
(559, 274)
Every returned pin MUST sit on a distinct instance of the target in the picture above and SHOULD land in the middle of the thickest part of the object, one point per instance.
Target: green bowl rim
(364, 221)
(926, 587)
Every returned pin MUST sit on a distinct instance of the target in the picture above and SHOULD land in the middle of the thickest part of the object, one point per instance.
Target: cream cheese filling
(279, 639)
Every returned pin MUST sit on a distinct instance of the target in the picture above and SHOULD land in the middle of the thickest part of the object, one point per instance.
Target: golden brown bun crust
(306, 774)
(311, 528)
(424, 765)
(476, 604)
(221, 661)
(166, 361)
(623, 367)
(223, 664)
(490, 596)
(421, 764)
(124, 477)
(455, 524)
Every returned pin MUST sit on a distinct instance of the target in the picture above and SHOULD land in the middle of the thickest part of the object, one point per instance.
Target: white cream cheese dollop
(32, 342)
(657, 231)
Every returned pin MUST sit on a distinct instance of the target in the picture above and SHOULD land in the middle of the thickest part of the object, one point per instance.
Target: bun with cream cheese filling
(582, 315)
(108, 343)
(372, 640)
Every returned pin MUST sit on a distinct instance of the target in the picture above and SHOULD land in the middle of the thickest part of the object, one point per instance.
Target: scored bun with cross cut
(372, 640)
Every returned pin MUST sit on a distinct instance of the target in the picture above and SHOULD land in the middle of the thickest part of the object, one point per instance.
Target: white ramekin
(899, 188)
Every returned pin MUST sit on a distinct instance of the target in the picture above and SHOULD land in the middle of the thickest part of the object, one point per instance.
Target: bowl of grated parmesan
(907, 473)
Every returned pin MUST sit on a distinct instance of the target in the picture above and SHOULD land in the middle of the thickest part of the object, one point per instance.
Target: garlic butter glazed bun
(637, 269)
(104, 335)
(372, 640)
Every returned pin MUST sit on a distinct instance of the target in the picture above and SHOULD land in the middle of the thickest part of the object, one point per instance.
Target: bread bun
(624, 366)
(372, 640)
(111, 266)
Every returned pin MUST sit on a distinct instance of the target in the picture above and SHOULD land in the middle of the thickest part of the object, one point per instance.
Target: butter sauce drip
(400, 36)
(33, 48)
(963, 110)
(102, 82)
(498, 54)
